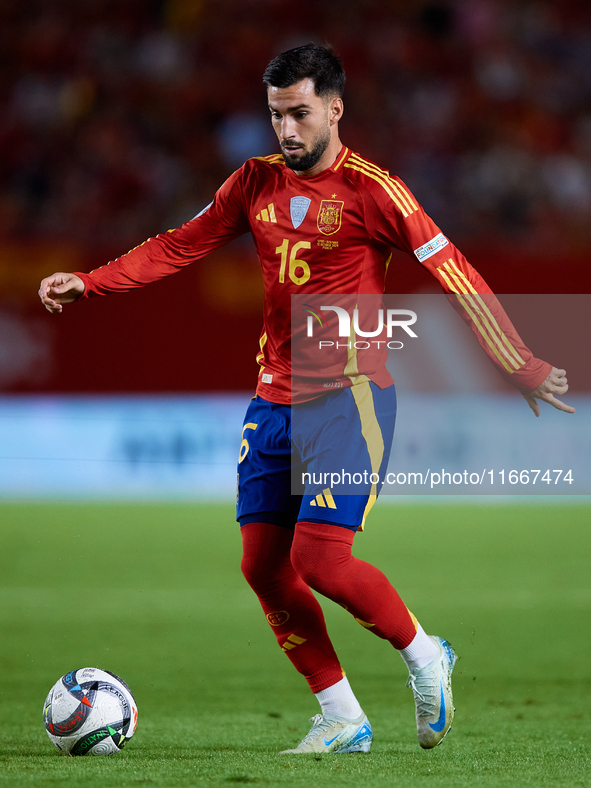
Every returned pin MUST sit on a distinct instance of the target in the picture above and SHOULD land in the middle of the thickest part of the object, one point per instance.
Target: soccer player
(324, 220)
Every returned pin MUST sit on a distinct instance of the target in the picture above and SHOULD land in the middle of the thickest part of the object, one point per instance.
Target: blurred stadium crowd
(120, 119)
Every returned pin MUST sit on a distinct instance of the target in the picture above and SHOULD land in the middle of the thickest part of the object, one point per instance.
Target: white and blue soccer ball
(90, 712)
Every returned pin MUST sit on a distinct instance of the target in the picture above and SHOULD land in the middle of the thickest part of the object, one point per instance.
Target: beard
(310, 158)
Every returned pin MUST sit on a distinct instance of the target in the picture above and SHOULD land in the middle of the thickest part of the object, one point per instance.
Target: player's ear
(335, 110)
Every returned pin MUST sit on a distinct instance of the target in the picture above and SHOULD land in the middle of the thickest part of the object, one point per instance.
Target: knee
(258, 572)
(250, 569)
(265, 556)
(319, 555)
(305, 565)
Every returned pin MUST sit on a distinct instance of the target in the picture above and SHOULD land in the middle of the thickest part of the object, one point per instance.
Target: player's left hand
(555, 383)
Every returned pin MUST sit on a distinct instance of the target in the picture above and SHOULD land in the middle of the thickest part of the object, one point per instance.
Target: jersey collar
(335, 167)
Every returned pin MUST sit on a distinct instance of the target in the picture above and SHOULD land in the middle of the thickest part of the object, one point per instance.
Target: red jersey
(332, 233)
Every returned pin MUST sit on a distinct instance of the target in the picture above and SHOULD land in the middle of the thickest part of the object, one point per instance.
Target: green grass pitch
(154, 593)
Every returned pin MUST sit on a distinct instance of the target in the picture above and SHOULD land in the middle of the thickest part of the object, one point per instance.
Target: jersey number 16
(294, 263)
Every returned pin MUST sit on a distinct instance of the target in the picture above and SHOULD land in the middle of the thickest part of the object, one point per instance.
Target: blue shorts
(319, 461)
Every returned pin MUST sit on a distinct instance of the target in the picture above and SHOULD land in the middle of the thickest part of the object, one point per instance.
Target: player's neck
(326, 161)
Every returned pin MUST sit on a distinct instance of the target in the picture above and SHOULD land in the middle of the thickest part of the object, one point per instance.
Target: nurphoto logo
(395, 318)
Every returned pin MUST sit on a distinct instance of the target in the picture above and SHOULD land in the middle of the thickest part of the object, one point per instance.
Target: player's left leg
(354, 432)
(321, 554)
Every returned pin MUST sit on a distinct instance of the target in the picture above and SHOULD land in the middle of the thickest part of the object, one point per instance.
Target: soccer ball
(90, 712)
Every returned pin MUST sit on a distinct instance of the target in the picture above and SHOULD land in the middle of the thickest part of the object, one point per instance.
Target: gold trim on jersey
(407, 197)
(451, 265)
(274, 158)
(341, 160)
(388, 184)
(393, 189)
(481, 316)
(260, 357)
(351, 369)
(386, 188)
(485, 313)
(388, 261)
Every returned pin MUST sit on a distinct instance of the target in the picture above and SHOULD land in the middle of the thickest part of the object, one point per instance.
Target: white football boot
(431, 687)
(335, 734)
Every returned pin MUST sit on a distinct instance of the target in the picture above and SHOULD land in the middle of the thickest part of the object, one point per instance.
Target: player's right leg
(298, 624)
(291, 609)
(267, 512)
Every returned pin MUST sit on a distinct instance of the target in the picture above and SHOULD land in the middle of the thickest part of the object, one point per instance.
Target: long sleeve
(222, 221)
(398, 220)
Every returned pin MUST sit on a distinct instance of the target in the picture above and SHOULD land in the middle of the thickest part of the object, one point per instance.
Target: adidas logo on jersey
(324, 499)
(267, 214)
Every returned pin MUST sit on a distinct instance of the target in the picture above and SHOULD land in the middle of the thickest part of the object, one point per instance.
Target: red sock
(321, 555)
(291, 608)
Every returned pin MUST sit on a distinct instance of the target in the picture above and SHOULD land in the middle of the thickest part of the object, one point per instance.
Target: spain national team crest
(277, 618)
(329, 216)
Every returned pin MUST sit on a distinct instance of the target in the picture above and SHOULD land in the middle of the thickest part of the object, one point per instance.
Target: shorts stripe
(372, 433)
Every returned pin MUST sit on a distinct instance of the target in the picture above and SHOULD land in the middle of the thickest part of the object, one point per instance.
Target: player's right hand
(59, 289)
